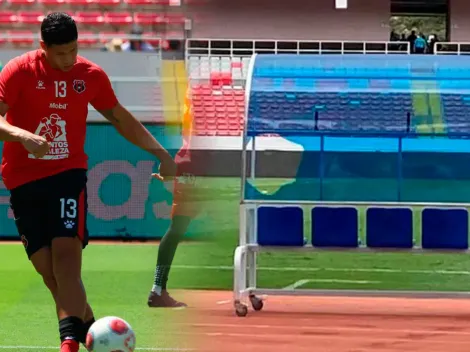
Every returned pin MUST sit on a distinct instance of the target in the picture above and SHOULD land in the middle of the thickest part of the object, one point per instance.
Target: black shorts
(51, 207)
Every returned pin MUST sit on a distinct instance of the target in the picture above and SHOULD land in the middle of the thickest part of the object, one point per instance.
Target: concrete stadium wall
(295, 19)
(459, 24)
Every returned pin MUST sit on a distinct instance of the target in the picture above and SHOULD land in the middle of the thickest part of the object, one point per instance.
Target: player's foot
(163, 301)
(69, 346)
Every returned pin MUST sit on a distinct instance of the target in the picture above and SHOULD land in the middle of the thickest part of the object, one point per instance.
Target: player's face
(62, 57)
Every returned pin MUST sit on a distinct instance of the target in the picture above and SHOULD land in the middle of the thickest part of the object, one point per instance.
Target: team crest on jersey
(79, 86)
(53, 129)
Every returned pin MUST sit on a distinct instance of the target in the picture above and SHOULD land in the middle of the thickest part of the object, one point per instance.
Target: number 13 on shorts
(68, 208)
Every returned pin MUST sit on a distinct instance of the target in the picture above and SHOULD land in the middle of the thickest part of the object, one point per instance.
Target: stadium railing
(451, 48)
(236, 47)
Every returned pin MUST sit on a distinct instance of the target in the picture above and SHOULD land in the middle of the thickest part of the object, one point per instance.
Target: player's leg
(184, 210)
(67, 209)
(159, 296)
(31, 222)
(42, 262)
(67, 262)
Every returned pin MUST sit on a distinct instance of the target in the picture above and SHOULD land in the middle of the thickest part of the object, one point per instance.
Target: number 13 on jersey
(60, 89)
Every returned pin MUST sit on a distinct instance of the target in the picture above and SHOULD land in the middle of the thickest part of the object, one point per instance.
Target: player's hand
(36, 145)
(166, 170)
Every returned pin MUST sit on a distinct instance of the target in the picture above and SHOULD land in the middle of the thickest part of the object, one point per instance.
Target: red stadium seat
(70, 13)
(137, 2)
(218, 112)
(147, 18)
(146, 2)
(108, 3)
(33, 17)
(86, 41)
(21, 2)
(93, 18)
(7, 17)
(26, 40)
(79, 3)
(51, 2)
(111, 35)
(118, 18)
(221, 79)
(174, 18)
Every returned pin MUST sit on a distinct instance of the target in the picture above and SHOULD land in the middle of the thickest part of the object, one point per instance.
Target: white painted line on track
(224, 302)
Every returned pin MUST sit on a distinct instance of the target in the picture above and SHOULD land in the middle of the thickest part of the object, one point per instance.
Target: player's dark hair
(58, 28)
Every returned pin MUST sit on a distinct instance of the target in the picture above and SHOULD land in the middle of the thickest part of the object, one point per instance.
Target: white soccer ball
(110, 334)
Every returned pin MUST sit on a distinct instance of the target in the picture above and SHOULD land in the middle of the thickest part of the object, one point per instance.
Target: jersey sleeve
(105, 98)
(10, 82)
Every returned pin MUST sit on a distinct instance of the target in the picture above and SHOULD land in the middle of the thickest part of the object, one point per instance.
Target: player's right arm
(10, 88)
(8, 133)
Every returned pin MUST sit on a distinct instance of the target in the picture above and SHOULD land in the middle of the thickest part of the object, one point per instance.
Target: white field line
(345, 270)
(300, 283)
(296, 285)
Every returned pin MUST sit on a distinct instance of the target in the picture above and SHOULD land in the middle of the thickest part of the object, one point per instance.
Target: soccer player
(44, 97)
(184, 210)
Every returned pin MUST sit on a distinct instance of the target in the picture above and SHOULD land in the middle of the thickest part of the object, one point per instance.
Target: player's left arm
(107, 104)
(133, 130)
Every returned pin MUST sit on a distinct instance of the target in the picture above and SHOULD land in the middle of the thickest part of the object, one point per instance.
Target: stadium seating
(157, 17)
(224, 107)
(337, 111)
(219, 108)
(219, 102)
(200, 68)
(456, 109)
(218, 112)
(368, 111)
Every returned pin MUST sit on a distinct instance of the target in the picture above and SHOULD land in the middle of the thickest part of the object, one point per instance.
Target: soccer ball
(110, 334)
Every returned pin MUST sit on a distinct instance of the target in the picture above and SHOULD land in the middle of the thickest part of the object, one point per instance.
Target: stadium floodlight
(341, 4)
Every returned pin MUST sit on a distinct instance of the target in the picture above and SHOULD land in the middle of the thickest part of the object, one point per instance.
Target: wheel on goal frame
(241, 309)
(256, 302)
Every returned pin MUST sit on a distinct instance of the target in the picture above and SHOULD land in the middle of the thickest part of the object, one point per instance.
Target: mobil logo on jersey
(53, 129)
(58, 106)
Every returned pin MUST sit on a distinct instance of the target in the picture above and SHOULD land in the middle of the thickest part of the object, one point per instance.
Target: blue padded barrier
(280, 226)
(444, 228)
(335, 227)
(389, 227)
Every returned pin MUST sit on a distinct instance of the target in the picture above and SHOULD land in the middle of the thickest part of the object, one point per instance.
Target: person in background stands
(411, 39)
(420, 45)
(137, 45)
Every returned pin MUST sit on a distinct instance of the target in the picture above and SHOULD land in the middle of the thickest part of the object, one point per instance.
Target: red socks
(69, 346)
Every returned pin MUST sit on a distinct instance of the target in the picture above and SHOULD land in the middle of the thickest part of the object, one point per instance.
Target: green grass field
(119, 276)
